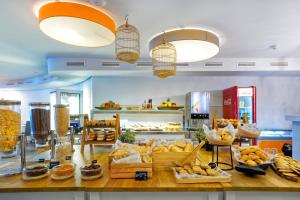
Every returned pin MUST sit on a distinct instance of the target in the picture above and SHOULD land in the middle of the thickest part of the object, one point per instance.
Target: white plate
(237, 156)
(28, 178)
(59, 178)
(87, 178)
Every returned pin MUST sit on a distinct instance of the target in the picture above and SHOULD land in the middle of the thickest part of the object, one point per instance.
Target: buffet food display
(10, 125)
(129, 157)
(40, 121)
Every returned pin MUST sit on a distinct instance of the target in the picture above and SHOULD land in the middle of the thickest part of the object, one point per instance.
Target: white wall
(87, 96)
(276, 96)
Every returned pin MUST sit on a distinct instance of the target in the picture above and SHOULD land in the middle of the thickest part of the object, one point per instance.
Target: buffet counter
(162, 181)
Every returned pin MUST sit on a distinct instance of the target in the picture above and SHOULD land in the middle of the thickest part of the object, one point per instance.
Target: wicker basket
(214, 141)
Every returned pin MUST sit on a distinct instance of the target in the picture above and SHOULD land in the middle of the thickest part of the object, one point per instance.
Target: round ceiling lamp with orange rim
(192, 44)
(76, 24)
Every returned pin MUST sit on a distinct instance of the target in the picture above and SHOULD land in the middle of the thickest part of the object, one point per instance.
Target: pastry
(253, 156)
(186, 167)
(251, 163)
(197, 169)
(180, 143)
(287, 166)
(183, 171)
(176, 149)
(178, 164)
(188, 148)
(211, 172)
(178, 169)
(120, 153)
(146, 159)
(160, 149)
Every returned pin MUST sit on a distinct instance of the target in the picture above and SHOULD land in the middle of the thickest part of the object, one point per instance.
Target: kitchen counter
(162, 181)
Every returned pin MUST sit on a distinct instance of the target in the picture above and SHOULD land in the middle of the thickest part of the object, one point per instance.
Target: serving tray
(225, 177)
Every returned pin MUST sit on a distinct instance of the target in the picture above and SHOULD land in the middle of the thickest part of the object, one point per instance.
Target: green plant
(200, 134)
(127, 137)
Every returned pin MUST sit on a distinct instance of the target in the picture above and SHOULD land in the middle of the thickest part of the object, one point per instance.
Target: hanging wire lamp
(127, 43)
(164, 60)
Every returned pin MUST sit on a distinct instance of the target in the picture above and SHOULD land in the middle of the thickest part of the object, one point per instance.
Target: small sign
(53, 164)
(141, 176)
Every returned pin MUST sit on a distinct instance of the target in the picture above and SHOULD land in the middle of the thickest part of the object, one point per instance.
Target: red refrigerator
(238, 101)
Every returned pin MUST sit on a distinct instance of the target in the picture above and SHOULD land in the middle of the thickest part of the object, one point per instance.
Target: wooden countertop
(161, 181)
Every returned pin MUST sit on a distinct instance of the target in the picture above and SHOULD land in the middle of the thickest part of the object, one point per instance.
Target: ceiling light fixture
(164, 60)
(76, 24)
(127, 43)
(191, 44)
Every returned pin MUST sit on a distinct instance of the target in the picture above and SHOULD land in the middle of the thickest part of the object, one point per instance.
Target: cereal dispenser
(64, 142)
(62, 119)
(10, 134)
(10, 127)
(40, 122)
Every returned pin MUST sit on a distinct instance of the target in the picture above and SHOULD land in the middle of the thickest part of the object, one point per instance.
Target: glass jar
(10, 126)
(63, 150)
(62, 119)
(40, 121)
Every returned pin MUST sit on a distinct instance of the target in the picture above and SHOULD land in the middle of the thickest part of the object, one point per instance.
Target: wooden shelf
(177, 112)
(99, 124)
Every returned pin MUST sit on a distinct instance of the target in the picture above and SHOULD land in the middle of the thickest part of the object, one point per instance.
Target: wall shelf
(96, 111)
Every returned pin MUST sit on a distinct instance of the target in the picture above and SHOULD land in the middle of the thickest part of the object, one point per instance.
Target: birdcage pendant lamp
(164, 60)
(127, 43)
